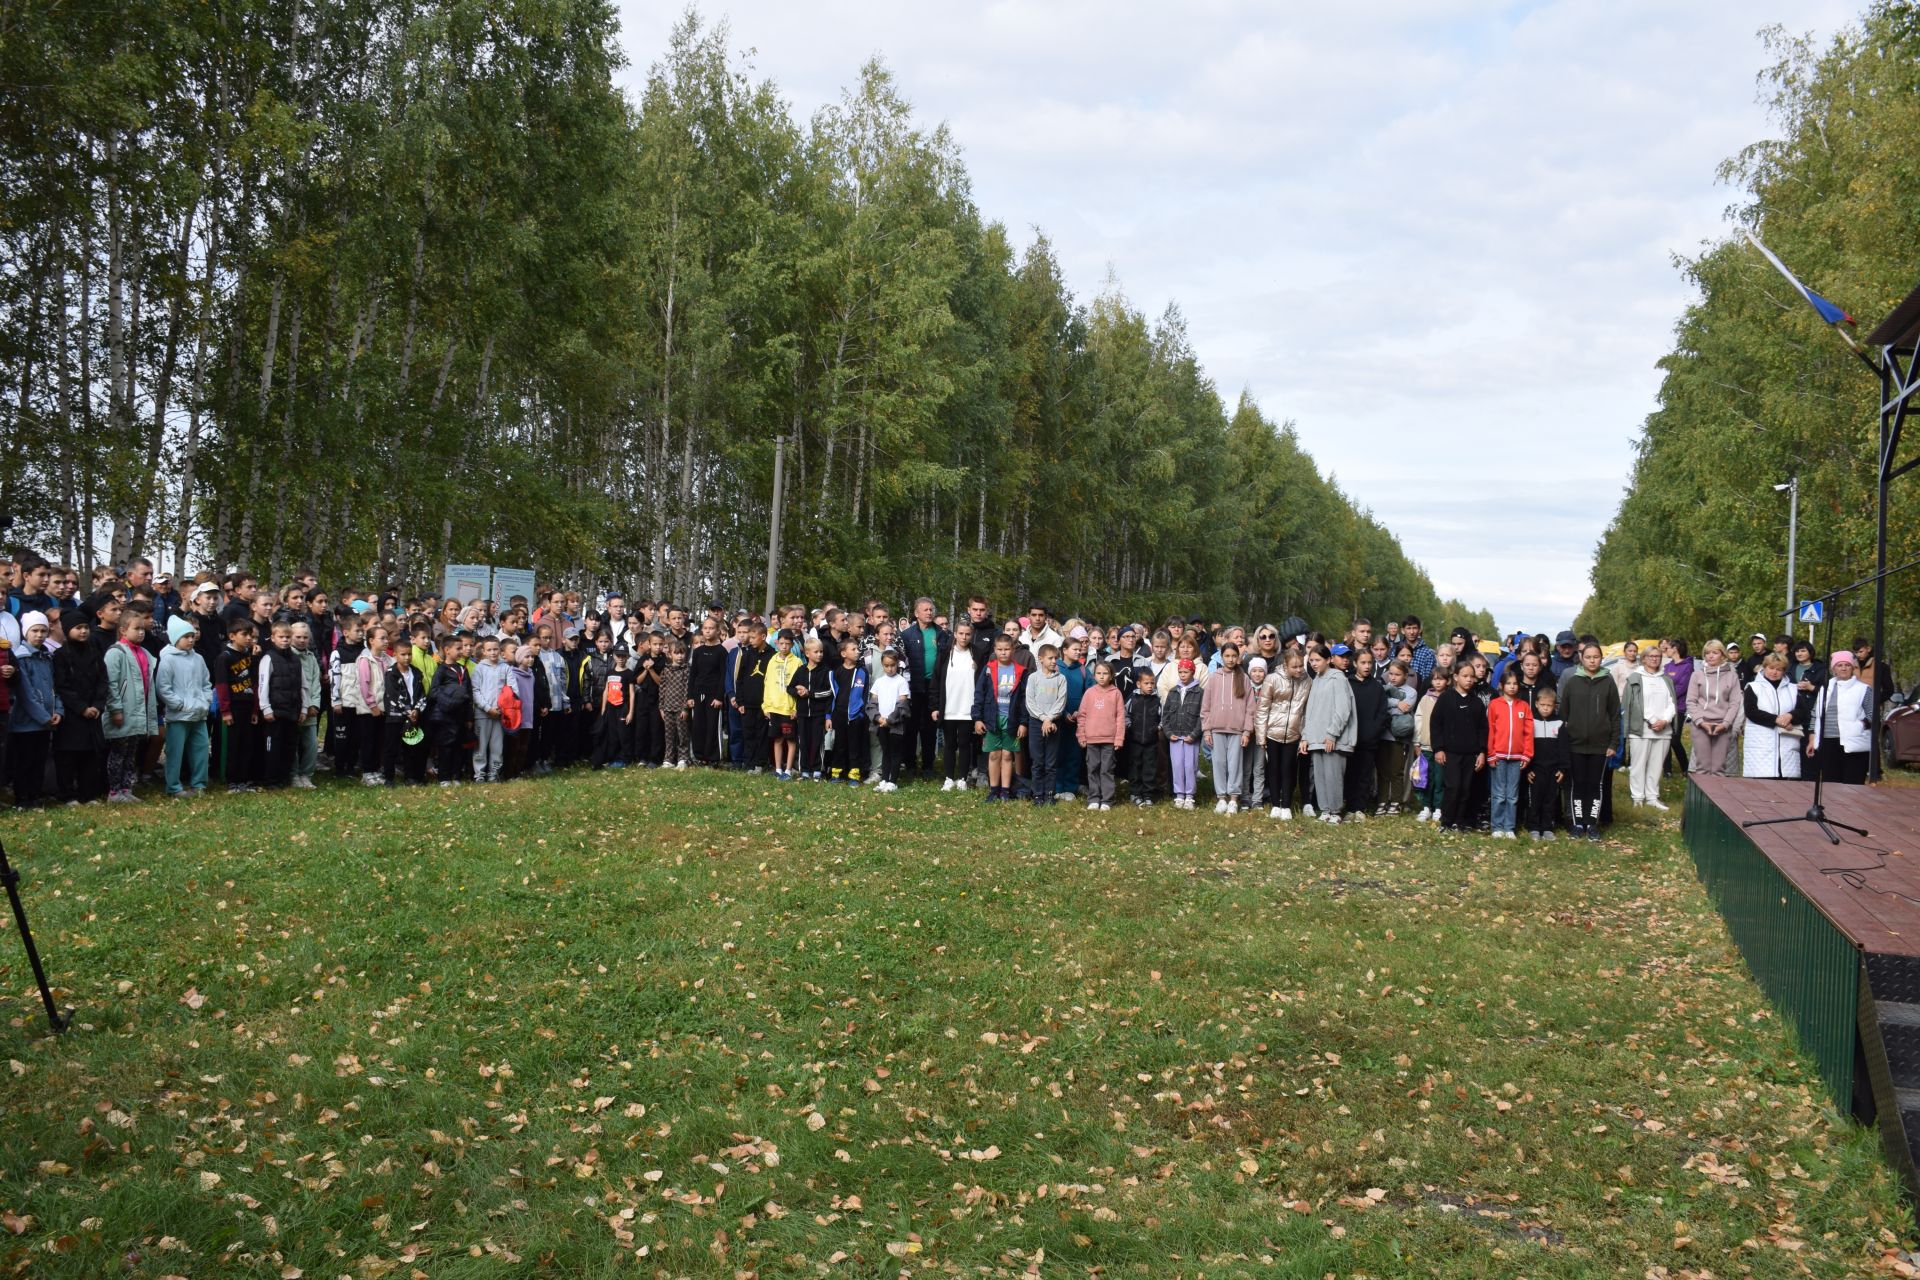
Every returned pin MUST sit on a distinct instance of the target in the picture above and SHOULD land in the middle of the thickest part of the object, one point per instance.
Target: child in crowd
(1180, 723)
(847, 715)
(1510, 748)
(306, 751)
(646, 731)
(957, 679)
(277, 677)
(1279, 716)
(1046, 705)
(1102, 727)
(349, 703)
(34, 709)
(1328, 731)
(516, 706)
(1433, 778)
(79, 745)
(1143, 740)
(133, 709)
(1394, 758)
(365, 684)
(185, 690)
(778, 703)
(1253, 756)
(1548, 768)
(999, 716)
(489, 678)
(449, 715)
(749, 695)
(676, 706)
(1459, 746)
(616, 710)
(403, 704)
(888, 707)
(1226, 720)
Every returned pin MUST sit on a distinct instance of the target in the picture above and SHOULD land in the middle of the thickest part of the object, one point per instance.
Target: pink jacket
(1103, 717)
(1224, 711)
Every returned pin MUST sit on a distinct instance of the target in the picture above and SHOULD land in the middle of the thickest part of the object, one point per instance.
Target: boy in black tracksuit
(847, 712)
(1459, 729)
(707, 686)
(749, 690)
(405, 700)
(645, 733)
(1143, 739)
(449, 713)
(1550, 764)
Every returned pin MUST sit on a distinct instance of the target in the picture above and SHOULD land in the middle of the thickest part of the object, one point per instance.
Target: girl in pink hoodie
(1102, 727)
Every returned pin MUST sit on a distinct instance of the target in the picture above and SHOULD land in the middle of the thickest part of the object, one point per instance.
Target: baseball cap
(1338, 650)
(1565, 637)
(206, 589)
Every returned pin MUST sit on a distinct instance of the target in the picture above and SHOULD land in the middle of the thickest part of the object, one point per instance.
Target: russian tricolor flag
(1828, 312)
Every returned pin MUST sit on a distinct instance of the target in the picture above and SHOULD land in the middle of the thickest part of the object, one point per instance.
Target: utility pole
(773, 527)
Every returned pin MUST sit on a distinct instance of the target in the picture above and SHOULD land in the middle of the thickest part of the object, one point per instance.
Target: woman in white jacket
(1775, 726)
(954, 710)
(1840, 732)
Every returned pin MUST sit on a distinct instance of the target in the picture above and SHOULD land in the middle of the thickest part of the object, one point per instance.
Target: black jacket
(1591, 707)
(1460, 723)
(914, 645)
(80, 681)
(1372, 719)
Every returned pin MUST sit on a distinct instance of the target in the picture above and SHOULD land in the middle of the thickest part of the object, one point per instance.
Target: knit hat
(1259, 662)
(33, 618)
(1842, 655)
(178, 626)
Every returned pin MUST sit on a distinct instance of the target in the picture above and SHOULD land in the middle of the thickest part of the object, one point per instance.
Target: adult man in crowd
(980, 614)
(1564, 659)
(924, 644)
(1038, 629)
(1423, 654)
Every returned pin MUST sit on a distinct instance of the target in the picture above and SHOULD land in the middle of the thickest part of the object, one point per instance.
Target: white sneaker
(1308, 810)
(1358, 815)
(372, 780)
(1220, 805)
(947, 785)
(1657, 805)
(1286, 815)
(1233, 806)
(683, 764)
(304, 784)
(1094, 805)
(959, 784)
(1274, 813)
(1332, 819)
(1106, 808)
(1425, 815)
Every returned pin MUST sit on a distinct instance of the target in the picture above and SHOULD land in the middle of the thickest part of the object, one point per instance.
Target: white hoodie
(961, 681)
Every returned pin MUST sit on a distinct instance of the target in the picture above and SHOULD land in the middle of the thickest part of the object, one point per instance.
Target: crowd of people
(140, 681)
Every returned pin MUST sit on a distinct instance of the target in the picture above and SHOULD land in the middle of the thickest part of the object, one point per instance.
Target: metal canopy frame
(1897, 339)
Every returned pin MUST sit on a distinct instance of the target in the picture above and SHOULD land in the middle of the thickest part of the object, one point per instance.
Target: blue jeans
(186, 746)
(1506, 793)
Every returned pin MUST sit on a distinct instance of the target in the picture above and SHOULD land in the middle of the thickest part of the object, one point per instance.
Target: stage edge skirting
(1808, 969)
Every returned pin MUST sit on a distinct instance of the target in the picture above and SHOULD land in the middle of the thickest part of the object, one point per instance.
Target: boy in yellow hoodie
(777, 701)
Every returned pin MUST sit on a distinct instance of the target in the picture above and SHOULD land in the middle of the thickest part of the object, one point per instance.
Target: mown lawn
(650, 1024)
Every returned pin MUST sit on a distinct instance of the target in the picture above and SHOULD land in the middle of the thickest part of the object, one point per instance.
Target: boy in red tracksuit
(1509, 747)
(1101, 725)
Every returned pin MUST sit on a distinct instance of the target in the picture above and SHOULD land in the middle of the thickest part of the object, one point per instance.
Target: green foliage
(380, 285)
(1756, 390)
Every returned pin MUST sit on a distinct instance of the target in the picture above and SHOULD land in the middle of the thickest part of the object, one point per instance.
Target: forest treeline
(1757, 390)
(372, 285)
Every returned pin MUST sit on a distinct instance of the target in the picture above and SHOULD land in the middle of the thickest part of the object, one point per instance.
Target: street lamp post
(1792, 489)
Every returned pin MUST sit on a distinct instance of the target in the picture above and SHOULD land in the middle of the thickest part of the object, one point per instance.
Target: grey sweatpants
(1227, 762)
(489, 744)
(1100, 773)
(1329, 780)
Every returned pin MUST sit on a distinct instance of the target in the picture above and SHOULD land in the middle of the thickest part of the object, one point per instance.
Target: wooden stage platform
(1830, 932)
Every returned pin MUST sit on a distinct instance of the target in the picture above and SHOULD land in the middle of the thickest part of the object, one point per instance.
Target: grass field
(695, 1025)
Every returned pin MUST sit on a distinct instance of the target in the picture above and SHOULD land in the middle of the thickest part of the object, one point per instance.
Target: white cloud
(1436, 235)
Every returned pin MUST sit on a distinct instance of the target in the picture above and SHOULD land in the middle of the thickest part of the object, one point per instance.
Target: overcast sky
(1436, 234)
